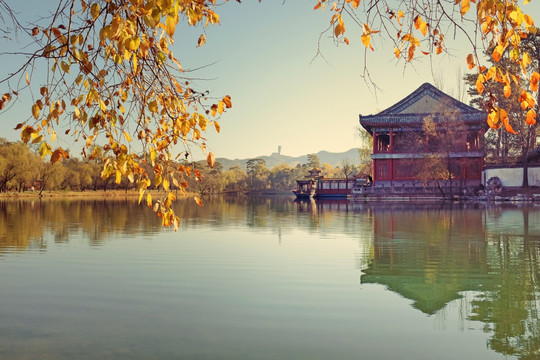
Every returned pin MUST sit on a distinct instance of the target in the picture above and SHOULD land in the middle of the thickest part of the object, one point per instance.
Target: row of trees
(258, 177)
(21, 168)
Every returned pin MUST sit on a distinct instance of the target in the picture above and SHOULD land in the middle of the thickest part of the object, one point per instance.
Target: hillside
(333, 159)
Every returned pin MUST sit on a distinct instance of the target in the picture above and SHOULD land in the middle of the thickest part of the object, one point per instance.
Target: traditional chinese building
(393, 156)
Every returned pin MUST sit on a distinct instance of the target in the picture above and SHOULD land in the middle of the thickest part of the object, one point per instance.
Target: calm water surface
(268, 279)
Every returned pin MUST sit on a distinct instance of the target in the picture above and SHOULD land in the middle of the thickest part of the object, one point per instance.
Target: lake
(259, 278)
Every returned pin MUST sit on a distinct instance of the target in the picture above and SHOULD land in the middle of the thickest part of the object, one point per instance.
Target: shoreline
(88, 194)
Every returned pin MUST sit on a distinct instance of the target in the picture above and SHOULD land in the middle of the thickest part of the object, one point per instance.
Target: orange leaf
(198, 201)
(57, 155)
(531, 117)
(480, 83)
(411, 52)
(497, 53)
(227, 101)
(201, 41)
(397, 52)
(493, 119)
(509, 128)
(465, 6)
(535, 77)
(507, 91)
(338, 30)
(211, 160)
(346, 40)
(470, 61)
(528, 20)
(366, 40)
(504, 116)
(420, 24)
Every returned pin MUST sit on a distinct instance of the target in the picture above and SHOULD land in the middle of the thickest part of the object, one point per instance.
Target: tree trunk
(525, 158)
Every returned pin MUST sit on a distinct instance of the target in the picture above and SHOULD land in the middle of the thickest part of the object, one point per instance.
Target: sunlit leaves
(366, 36)
(339, 25)
(507, 90)
(470, 61)
(44, 150)
(480, 83)
(535, 77)
(465, 6)
(211, 159)
(35, 111)
(421, 25)
(531, 118)
(201, 41)
(94, 10)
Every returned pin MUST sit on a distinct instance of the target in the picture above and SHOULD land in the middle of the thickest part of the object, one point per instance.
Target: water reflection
(28, 224)
(431, 254)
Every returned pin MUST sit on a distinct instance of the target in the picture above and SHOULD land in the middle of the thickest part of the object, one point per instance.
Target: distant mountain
(333, 159)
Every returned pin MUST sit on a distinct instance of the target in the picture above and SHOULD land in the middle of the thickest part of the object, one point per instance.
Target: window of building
(382, 171)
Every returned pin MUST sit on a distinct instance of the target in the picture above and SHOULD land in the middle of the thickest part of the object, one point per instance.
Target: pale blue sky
(280, 96)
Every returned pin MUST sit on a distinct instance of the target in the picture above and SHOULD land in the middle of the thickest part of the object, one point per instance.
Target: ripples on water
(267, 279)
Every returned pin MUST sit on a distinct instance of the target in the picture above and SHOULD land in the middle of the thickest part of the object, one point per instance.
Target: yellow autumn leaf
(94, 10)
(64, 66)
(531, 117)
(220, 107)
(465, 6)
(141, 193)
(497, 53)
(420, 24)
(507, 91)
(36, 138)
(35, 111)
(149, 200)
(366, 36)
(44, 150)
(170, 24)
(166, 184)
(480, 83)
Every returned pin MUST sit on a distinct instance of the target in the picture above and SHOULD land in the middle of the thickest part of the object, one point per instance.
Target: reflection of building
(392, 156)
(428, 254)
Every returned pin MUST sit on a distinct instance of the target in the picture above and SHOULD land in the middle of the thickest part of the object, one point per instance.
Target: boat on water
(319, 187)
